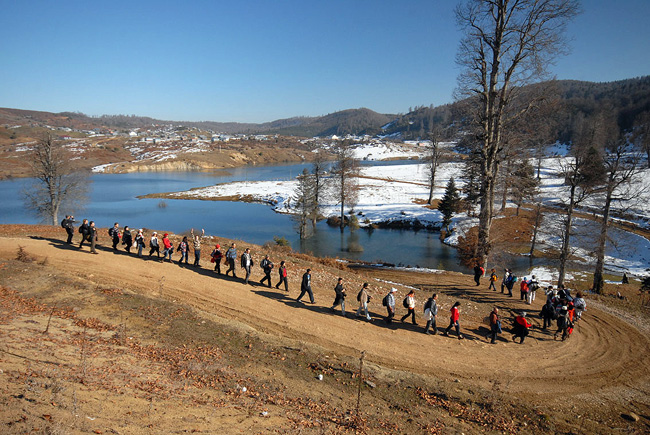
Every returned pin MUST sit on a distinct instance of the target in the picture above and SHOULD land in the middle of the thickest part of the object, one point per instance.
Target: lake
(113, 198)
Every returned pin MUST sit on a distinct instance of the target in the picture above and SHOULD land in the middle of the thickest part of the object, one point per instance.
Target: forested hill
(628, 100)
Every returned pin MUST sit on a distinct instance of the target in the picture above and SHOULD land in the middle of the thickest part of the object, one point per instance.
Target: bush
(24, 256)
(281, 241)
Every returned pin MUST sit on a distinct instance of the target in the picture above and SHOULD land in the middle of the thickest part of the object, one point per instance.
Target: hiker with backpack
(267, 267)
(454, 321)
(364, 297)
(139, 242)
(504, 280)
(430, 314)
(282, 272)
(580, 305)
(533, 285)
(168, 249)
(389, 303)
(521, 326)
(510, 283)
(68, 225)
(184, 249)
(84, 230)
(562, 322)
(493, 280)
(154, 245)
(127, 239)
(305, 287)
(114, 234)
(339, 299)
(409, 304)
(216, 257)
(478, 273)
(548, 313)
(247, 263)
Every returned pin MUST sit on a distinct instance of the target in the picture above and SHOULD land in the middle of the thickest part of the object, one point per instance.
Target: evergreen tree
(305, 205)
(449, 203)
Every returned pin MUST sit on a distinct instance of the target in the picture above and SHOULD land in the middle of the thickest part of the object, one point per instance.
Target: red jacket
(455, 314)
(523, 322)
(166, 243)
(524, 286)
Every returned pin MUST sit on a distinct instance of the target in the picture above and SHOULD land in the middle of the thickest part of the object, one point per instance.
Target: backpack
(81, 229)
(427, 304)
(384, 301)
(405, 302)
(359, 295)
(63, 225)
(111, 231)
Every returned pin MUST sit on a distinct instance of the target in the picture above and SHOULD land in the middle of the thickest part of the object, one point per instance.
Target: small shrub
(162, 204)
(24, 256)
(281, 241)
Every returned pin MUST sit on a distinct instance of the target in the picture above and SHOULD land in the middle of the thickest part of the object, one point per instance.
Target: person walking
(114, 233)
(521, 327)
(197, 246)
(282, 272)
(389, 303)
(533, 285)
(512, 279)
(68, 225)
(504, 280)
(523, 289)
(139, 242)
(231, 257)
(92, 236)
(154, 245)
(364, 297)
(493, 280)
(431, 314)
(84, 230)
(216, 258)
(184, 249)
(409, 304)
(454, 321)
(580, 305)
(340, 296)
(478, 273)
(267, 267)
(305, 287)
(548, 313)
(127, 239)
(247, 263)
(495, 325)
(168, 249)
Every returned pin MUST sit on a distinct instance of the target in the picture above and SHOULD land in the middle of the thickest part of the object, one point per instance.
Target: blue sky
(261, 60)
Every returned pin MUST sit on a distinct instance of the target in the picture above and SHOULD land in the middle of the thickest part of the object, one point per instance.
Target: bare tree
(345, 183)
(538, 218)
(57, 184)
(507, 44)
(433, 158)
(524, 185)
(621, 166)
(304, 197)
(318, 171)
(642, 134)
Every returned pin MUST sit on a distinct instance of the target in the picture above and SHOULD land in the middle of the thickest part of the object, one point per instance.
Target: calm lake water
(114, 198)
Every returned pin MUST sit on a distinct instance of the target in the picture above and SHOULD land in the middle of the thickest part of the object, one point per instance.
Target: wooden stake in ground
(47, 328)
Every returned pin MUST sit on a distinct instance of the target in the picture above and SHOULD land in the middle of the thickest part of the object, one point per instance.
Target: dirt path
(603, 363)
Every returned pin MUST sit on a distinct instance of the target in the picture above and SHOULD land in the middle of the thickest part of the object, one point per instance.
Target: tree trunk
(538, 221)
(564, 251)
(602, 241)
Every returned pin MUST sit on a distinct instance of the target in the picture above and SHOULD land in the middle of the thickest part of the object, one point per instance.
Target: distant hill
(629, 99)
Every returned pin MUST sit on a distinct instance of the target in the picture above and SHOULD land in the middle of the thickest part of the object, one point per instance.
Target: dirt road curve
(605, 361)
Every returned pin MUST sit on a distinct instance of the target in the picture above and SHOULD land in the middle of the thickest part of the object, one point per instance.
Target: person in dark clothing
(154, 245)
(68, 225)
(305, 287)
(247, 263)
(454, 321)
(340, 297)
(478, 273)
(389, 303)
(495, 325)
(114, 233)
(84, 229)
(127, 239)
(216, 258)
(548, 313)
(139, 242)
(521, 327)
(92, 236)
(431, 314)
(231, 257)
(282, 272)
(267, 267)
(625, 279)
